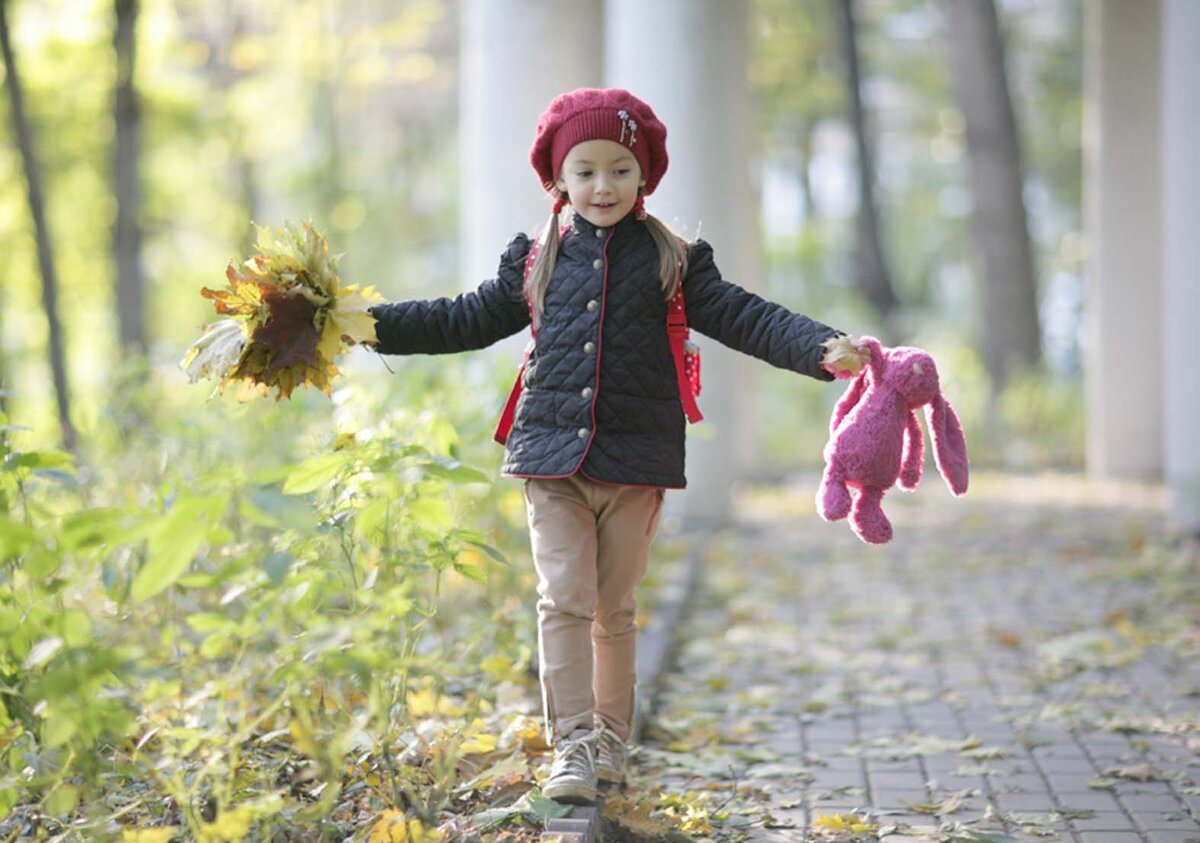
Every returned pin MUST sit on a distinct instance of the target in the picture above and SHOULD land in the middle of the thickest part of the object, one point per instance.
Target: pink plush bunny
(875, 438)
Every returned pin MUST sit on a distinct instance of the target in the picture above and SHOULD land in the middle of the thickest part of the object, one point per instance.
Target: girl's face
(602, 178)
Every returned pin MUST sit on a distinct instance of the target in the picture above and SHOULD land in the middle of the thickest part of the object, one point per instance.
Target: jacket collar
(581, 225)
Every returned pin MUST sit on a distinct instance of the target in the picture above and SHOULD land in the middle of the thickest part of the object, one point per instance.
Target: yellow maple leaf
(422, 702)
(852, 823)
(149, 835)
(244, 296)
(230, 825)
(331, 342)
(533, 740)
(235, 823)
(351, 314)
(393, 827)
(476, 741)
(696, 820)
(425, 701)
(478, 745)
(348, 322)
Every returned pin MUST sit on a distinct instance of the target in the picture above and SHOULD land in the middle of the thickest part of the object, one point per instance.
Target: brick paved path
(1012, 664)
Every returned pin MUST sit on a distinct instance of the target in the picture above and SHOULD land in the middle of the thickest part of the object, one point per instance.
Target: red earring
(558, 205)
(639, 207)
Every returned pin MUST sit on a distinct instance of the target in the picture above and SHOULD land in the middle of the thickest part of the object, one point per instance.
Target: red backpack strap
(504, 426)
(678, 333)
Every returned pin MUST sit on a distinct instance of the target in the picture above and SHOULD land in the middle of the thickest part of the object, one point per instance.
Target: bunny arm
(849, 400)
(871, 375)
(914, 452)
(878, 362)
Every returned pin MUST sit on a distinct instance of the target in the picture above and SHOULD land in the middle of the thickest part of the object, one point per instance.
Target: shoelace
(575, 756)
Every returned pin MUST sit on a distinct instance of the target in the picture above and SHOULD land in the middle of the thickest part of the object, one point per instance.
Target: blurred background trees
(127, 232)
(928, 181)
(1011, 333)
(874, 281)
(22, 131)
(164, 127)
(919, 171)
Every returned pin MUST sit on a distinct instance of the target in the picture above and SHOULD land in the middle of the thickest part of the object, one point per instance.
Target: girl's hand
(845, 356)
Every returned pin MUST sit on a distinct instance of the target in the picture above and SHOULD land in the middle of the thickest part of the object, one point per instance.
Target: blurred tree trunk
(872, 276)
(330, 59)
(804, 136)
(1011, 333)
(24, 136)
(251, 197)
(3, 365)
(230, 28)
(127, 236)
(227, 77)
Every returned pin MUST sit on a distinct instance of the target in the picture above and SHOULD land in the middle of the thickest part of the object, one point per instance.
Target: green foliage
(236, 121)
(261, 591)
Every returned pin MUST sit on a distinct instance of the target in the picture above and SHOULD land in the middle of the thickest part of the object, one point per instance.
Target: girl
(598, 431)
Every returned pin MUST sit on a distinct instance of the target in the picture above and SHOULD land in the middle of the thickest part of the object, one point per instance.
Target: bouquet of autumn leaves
(289, 317)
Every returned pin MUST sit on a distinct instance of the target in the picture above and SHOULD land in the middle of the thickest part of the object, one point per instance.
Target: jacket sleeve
(745, 322)
(495, 310)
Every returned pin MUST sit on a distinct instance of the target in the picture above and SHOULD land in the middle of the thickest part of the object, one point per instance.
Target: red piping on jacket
(595, 390)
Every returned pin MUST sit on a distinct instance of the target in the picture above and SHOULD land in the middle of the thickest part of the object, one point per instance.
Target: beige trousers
(591, 545)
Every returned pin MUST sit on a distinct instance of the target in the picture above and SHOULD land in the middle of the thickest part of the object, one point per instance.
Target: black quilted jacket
(601, 394)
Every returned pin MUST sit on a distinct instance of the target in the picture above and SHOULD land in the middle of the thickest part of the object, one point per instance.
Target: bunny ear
(949, 445)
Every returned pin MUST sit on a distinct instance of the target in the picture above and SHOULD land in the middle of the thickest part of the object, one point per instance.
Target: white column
(1181, 257)
(517, 55)
(688, 60)
(1122, 218)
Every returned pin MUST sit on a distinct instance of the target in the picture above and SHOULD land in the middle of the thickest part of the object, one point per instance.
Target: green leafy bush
(218, 618)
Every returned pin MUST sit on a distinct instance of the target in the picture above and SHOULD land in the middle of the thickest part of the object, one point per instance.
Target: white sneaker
(573, 773)
(611, 755)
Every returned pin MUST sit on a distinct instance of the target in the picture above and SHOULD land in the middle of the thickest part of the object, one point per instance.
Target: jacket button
(597, 263)
(599, 232)
(583, 433)
(592, 306)
(589, 347)
(587, 392)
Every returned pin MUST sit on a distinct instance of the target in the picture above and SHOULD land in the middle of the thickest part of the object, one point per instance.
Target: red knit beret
(599, 114)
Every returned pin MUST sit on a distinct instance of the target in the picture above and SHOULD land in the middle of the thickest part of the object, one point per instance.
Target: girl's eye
(622, 172)
(583, 174)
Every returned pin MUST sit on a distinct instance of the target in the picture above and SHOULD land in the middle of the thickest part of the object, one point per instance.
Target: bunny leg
(833, 498)
(868, 519)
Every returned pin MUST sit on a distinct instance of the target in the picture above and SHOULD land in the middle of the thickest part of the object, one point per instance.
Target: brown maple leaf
(290, 333)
